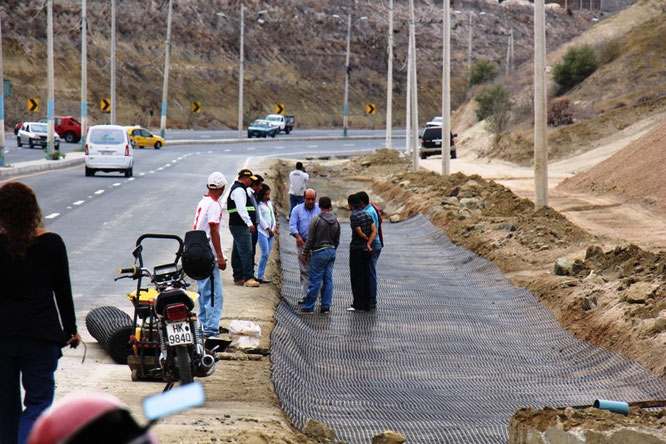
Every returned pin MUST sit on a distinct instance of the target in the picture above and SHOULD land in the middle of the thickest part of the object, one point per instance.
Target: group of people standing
(251, 222)
(317, 232)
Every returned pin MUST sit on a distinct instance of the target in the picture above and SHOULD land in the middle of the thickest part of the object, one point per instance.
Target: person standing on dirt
(299, 222)
(255, 216)
(298, 180)
(266, 230)
(39, 320)
(208, 218)
(377, 245)
(319, 253)
(360, 253)
(241, 227)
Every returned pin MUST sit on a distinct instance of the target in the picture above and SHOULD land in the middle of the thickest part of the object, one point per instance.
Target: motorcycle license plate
(179, 333)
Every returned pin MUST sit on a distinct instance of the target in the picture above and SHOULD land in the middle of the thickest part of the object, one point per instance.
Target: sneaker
(325, 310)
(301, 301)
(239, 282)
(264, 281)
(251, 283)
(351, 309)
(305, 312)
(372, 307)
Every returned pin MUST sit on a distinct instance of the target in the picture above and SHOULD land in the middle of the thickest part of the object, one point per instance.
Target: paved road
(100, 217)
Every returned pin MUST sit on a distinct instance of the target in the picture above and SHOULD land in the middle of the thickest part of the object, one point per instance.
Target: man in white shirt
(298, 180)
(240, 210)
(209, 218)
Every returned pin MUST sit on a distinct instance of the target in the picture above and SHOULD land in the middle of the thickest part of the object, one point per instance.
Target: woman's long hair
(262, 192)
(20, 217)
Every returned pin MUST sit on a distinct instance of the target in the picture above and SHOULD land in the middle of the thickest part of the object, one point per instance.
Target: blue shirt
(299, 221)
(377, 243)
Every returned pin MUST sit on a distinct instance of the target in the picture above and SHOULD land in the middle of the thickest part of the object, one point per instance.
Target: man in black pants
(360, 253)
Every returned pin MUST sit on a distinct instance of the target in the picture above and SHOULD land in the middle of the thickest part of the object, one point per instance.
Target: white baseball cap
(216, 181)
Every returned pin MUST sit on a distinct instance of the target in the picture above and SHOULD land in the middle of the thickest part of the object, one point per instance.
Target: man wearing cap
(240, 208)
(299, 223)
(208, 218)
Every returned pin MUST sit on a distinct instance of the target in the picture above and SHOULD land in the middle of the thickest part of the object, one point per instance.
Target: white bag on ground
(244, 334)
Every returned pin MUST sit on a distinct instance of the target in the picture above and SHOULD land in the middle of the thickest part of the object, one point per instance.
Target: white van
(108, 148)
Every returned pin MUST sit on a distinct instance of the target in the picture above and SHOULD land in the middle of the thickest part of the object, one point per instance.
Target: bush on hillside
(495, 106)
(482, 71)
(609, 51)
(560, 112)
(577, 65)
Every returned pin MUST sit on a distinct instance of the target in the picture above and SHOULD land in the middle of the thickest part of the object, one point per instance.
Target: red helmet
(98, 418)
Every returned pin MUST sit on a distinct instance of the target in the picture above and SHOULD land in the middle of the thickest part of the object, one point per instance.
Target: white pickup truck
(284, 123)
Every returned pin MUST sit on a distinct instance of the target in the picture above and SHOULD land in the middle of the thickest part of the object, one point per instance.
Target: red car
(67, 126)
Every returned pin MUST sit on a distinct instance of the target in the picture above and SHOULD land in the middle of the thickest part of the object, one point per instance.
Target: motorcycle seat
(173, 296)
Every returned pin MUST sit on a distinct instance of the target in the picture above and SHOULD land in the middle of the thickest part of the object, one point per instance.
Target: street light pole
(414, 93)
(240, 72)
(50, 103)
(84, 73)
(345, 118)
(446, 89)
(165, 86)
(389, 81)
(2, 102)
(113, 62)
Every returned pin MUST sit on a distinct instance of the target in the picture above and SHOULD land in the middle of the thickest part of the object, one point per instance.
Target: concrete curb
(34, 166)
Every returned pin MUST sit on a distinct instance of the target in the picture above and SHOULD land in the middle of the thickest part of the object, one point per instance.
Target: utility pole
(2, 101)
(345, 117)
(446, 88)
(414, 95)
(113, 62)
(509, 53)
(408, 104)
(389, 81)
(165, 86)
(540, 140)
(469, 44)
(84, 74)
(240, 72)
(50, 103)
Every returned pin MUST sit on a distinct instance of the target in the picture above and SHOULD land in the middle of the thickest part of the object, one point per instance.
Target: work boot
(251, 283)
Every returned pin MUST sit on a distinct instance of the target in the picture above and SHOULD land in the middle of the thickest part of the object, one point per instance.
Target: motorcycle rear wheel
(184, 366)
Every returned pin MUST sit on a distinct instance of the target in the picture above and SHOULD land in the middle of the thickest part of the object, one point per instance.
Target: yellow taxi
(141, 138)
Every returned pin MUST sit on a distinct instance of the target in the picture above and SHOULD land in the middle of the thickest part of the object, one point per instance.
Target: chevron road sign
(279, 108)
(105, 105)
(33, 105)
(370, 108)
(196, 107)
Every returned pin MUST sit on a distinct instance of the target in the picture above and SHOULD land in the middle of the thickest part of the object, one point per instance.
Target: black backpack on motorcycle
(198, 259)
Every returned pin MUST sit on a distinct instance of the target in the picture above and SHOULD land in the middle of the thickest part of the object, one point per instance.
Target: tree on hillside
(577, 64)
(495, 104)
(482, 71)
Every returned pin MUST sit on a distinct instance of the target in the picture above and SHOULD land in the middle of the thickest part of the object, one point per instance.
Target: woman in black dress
(37, 311)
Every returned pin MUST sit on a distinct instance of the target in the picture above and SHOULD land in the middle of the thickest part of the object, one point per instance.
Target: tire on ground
(112, 328)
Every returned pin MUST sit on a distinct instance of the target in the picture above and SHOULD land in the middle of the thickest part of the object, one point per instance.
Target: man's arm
(336, 237)
(217, 245)
(311, 235)
(239, 196)
(293, 227)
(373, 234)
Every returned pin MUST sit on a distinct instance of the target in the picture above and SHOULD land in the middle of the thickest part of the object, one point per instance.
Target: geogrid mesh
(452, 351)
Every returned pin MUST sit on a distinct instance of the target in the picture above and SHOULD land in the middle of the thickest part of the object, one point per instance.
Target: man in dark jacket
(319, 250)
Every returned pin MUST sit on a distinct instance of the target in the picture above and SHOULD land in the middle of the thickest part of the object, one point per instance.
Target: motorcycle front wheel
(184, 365)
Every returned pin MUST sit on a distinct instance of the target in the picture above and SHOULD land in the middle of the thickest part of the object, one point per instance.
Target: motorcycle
(168, 341)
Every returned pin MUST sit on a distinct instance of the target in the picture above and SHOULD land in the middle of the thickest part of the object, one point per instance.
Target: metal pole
(50, 104)
(469, 44)
(240, 72)
(113, 62)
(408, 105)
(540, 140)
(446, 89)
(512, 55)
(2, 102)
(84, 74)
(415, 101)
(165, 86)
(345, 110)
(389, 81)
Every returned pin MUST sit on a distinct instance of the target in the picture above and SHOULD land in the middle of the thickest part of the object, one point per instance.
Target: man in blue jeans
(240, 211)
(323, 239)
(377, 245)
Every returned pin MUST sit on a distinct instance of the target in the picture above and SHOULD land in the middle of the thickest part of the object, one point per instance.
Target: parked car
(108, 148)
(283, 123)
(431, 142)
(67, 126)
(262, 128)
(436, 121)
(143, 138)
(34, 134)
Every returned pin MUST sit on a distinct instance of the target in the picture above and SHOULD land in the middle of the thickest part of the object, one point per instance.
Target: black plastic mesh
(451, 353)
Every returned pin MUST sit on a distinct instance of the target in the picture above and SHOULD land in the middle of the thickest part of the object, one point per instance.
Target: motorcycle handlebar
(131, 270)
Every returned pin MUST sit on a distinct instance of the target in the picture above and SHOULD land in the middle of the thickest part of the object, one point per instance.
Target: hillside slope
(294, 55)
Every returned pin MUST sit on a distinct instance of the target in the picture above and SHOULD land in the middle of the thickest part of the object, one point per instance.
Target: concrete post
(389, 81)
(446, 88)
(240, 71)
(165, 86)
(84, 73)
(50, 103)
(113, 62)
(540, 139)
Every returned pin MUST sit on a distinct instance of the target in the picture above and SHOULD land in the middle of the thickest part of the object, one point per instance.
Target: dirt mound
(635, 173)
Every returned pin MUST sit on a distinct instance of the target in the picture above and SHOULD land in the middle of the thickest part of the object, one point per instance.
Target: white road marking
(313, 146)
(98, 192)
(174, 161)
(142, 174)
(69, 208)
(152, 172)
(89, 197)
(204, 136)
(159, 169)
(210, 152)
(227, 150)
(349, 144)
(117, 184)
(130, 179)
(78, 202)
(52, 216)
(167, 165)
(251, 148)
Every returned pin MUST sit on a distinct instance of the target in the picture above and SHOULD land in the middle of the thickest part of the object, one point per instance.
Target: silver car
(34, 134)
